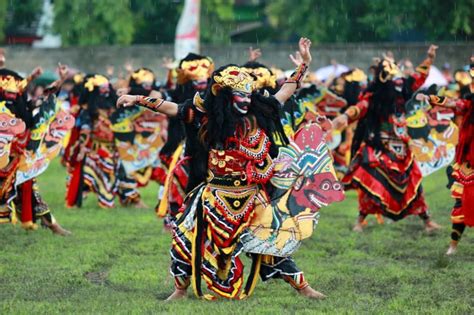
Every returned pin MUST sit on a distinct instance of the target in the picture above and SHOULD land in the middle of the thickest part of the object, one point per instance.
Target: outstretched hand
(296, 59)
(422, 97)
(304, 46)
(126, 100)
(340, 122)
(128, 66)
(254, 54)
(432, 51)
(36, 73)
(167, 63)
(63, 71)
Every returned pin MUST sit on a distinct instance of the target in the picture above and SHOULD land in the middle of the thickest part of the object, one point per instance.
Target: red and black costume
(193, 75)
(383, 169)
(462, 189)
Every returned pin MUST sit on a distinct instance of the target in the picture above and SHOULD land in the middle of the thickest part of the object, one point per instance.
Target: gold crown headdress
(198, 69)
(9, 84)
(96, 80)
(143, 75)
(264, 77)
(235, 78)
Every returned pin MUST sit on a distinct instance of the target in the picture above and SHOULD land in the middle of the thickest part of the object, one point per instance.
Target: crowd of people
(245, 156)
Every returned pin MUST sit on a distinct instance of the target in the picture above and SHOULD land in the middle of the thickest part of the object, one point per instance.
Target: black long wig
(19, 106)
(382, 105)
(95, 100)
(223, 120)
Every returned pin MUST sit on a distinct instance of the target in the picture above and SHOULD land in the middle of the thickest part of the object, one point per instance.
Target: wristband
(298, 75)
(149, 102)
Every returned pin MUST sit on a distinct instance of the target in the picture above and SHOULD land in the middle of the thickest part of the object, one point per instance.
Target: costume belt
(226, 163)
(235, 179)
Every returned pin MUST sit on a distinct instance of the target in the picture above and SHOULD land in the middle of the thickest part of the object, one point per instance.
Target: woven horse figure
(303, 182)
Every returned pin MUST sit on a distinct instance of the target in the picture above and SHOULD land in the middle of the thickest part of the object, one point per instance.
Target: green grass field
(117, 262)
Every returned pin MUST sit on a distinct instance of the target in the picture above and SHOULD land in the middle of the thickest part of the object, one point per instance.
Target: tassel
(162, 209)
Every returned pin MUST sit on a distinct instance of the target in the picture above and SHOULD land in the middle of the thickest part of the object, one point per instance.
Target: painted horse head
(10, 127)
(305, 171)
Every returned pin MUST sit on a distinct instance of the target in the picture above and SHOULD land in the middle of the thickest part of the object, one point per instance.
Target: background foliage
(93, 22)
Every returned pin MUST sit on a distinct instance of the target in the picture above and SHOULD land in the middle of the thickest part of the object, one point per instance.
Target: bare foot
(140, 205)
(358, 227)
(177, 295)
(311, 293)
(453, 247)
(432, 226)
(59, 230)
(29, 226)
(167, 227)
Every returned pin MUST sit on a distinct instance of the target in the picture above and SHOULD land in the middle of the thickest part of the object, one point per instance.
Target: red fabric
(27, 201)
(465, 148)
(420, 79)
(391, 205)
(71, 150)
(73, 185)
(468, 205)
(159, 175)
(179, 176)
(367, 204)
(374, 197)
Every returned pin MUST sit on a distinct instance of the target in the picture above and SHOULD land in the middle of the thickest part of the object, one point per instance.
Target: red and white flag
(187, 31)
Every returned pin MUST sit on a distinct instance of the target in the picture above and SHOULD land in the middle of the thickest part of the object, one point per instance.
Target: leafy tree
(217, 21)
(3, 17)
(372, 20)
(24, 13)
(94, 22)
(155, 20)
(18, 15)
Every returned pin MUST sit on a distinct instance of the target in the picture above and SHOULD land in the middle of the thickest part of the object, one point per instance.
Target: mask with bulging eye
(389, 70)
(241, 101)
(100, 82)
(264, 77)
(197, 71)
(240, 82)
(145, 78)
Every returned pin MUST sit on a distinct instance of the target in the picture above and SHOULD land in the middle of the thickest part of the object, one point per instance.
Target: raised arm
(423, 69)
(460, 106)
(159, 105)
(352, 113)
(63, 71)
(293, 82)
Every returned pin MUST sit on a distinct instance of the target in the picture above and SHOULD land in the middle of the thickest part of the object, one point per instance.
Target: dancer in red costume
(383, 169)
(462, 190)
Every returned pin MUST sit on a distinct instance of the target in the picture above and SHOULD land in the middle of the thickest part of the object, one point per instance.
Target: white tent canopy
(435, 77)
(330, 71)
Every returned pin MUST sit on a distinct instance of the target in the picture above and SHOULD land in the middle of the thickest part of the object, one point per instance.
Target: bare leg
(453, 247)
(311, 293)
(177, 295)
(181, 284)
(140, 204)
(430, 225)
(49, 221)
(458, 229)
(360, 223)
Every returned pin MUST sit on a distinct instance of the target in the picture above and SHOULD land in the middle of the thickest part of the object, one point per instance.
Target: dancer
(462, 189)
(382, 169)
(193, 75)
(234, 152)
(138, 137)
(29, 142)
(93, 163)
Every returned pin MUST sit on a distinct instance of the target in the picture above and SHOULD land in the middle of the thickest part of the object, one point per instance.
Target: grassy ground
(117, 262)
